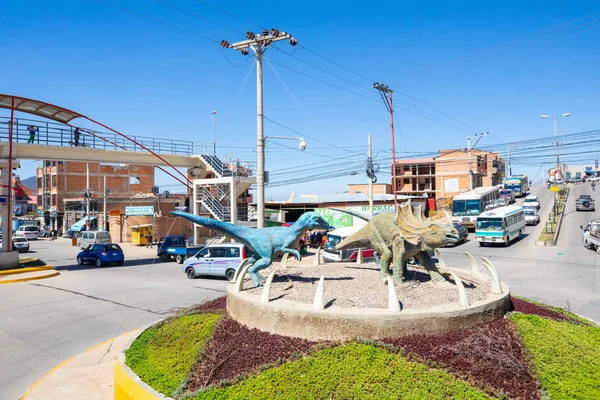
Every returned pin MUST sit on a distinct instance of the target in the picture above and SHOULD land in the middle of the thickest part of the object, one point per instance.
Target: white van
(93, 237)
(330, 254)
(219, 259)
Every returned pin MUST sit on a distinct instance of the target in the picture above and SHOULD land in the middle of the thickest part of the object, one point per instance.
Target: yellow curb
(129, 387)
(31, 278)
(26, 269)
(62, 364)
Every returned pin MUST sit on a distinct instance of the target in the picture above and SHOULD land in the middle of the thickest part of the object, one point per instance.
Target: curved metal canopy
(39, 108)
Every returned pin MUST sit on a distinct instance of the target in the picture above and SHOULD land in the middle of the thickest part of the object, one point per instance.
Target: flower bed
(535, 352)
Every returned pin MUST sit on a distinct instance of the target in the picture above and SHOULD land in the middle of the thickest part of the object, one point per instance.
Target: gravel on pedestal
(350, 285)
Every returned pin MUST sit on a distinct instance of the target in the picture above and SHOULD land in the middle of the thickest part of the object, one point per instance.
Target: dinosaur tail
(236, 231)
(360, 239)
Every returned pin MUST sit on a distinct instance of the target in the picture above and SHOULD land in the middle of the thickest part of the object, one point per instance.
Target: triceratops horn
(448, 216)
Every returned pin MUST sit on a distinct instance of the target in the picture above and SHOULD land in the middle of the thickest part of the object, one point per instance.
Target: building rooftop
(415, 161)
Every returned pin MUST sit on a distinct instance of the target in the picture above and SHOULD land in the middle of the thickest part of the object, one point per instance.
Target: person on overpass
(32, 131)
(76, 136)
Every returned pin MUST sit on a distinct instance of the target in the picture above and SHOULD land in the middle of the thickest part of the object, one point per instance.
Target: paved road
(565, 275)
(45, 322)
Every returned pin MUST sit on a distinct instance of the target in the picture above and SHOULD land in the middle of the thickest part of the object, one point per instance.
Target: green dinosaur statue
(398, 236)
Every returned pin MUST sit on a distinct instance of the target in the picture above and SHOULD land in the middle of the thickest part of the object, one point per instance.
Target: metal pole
(508, 162)
(104, 206)
(370, 178)
(260, 142)
(394, 183)
(7, 237)
(214, 121)
(556, 145)
(470, 168)
(87, 197)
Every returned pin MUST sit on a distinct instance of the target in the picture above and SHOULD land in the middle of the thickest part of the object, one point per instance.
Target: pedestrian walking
(76, 136)
(32, 131)
(149, 243)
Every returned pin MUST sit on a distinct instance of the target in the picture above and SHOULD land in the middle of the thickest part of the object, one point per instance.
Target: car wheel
(98, 262)
(79, 260)
(230, 274)
(191, 274)
(481, 244)
(164, 257)
(179, 259)
(121, 262)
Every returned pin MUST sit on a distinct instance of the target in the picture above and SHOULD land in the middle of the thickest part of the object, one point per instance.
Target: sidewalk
(87, 376)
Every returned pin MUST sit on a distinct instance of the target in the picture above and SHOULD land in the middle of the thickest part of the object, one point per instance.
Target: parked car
(175, 247)
(532, 217)
(507, 194)
(592, 179)
(101, 254)
(585, 203)
(220, 259)
(20, 244)
(531, 201)
(28, 232)
(463, 235)
(93, 237)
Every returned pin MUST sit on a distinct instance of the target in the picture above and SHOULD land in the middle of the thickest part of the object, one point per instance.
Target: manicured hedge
(566, 356)
(165, 353)
(354, 371)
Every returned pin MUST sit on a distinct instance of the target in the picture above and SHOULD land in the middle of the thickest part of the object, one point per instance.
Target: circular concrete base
(295, 319)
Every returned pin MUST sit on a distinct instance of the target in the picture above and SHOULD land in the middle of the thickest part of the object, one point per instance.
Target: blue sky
(494, 67)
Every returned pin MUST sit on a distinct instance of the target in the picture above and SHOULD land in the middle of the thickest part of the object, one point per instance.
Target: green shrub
(355, 371)
(566, 356)
(165, 353)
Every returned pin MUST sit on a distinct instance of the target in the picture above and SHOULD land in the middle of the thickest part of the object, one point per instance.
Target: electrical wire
(198, 16)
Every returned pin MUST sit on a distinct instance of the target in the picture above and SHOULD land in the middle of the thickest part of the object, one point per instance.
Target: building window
(39, 182)
(406, 181)
(54, 200)
(53, 180)
(39, 200)
(406, 168)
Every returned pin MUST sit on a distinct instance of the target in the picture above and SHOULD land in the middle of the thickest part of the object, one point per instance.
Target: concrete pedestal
(9, 260)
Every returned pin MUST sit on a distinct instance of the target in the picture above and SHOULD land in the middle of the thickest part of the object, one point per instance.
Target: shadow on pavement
(128, 263)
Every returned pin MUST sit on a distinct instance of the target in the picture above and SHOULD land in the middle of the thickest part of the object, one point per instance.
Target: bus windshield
(490, 224)
(466, 207)
(332, 241)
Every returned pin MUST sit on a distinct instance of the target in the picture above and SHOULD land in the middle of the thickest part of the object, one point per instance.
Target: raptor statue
(265, 242)
(396, 237)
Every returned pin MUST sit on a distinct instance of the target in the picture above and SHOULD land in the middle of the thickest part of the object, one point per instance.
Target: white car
(593, 179)
(531, 216)
(28, 232)
(531, 201)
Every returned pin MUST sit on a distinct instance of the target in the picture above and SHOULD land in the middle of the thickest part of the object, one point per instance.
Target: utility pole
(214, 121)
(104, 205)
(509, 173)
(386, 96)
(469, 148)
(259, 42)
(371, 175)
(87, 196)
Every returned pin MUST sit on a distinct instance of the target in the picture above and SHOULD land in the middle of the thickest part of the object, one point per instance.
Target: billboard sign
(139, 211)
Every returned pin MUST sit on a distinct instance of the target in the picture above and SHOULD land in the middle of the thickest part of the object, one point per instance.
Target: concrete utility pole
(386, 96)
(87, 196)
(556, 156)
(104, 205)
(469, 148)
(370, 173)
(259, 42)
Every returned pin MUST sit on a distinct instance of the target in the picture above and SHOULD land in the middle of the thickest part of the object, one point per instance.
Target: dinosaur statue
(396, 237)
(265, 242)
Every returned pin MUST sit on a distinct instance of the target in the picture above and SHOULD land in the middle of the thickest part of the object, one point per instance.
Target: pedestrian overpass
(215, 184)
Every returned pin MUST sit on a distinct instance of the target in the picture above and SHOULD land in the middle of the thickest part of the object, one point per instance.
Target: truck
(591, 235)
(518, 184)
(174, 247)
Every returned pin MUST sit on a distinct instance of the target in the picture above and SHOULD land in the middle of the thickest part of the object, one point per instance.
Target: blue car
(101, 254)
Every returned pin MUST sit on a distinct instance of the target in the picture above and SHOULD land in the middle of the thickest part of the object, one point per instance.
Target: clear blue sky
(495, 67)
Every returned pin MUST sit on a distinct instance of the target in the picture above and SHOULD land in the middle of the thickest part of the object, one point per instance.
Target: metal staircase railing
(212, 203)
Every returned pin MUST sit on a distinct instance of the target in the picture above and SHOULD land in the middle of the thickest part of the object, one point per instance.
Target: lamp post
(214, 120)
(556, 156)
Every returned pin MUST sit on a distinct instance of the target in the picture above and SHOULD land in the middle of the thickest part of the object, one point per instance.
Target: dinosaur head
(418, 230)
(312, 220)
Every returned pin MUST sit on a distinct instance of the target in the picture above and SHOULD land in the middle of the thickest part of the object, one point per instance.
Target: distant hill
(30, 182)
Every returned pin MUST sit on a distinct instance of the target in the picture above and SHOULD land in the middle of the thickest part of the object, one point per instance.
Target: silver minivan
(219, 259)
(93, 237)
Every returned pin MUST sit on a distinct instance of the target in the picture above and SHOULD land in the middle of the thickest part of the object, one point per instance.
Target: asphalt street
(44, 322)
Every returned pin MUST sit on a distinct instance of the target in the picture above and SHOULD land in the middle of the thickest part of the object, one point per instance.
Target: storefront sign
(337, 219)
(115, 213)
(139, 211)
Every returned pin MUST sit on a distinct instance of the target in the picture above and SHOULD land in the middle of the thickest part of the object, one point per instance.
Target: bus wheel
(506, 241)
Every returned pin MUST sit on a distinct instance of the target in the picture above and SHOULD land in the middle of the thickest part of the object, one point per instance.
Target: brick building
(60, 180)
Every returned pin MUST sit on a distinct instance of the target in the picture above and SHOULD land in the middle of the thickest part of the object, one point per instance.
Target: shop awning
(76, 227)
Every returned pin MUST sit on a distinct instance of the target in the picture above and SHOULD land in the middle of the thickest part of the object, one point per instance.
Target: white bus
(330, 253)
(467, 206)
(501, 225)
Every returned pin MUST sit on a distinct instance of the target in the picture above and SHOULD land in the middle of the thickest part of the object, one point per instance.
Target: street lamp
(214, 120)
(555, 143)
(469, 148)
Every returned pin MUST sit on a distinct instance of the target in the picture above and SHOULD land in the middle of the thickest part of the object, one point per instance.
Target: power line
(198, 16)
(229, 14)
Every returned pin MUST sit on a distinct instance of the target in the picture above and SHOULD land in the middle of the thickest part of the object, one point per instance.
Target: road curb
(65, 362)
(550, 243)
(31, 278)
(26, 269)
